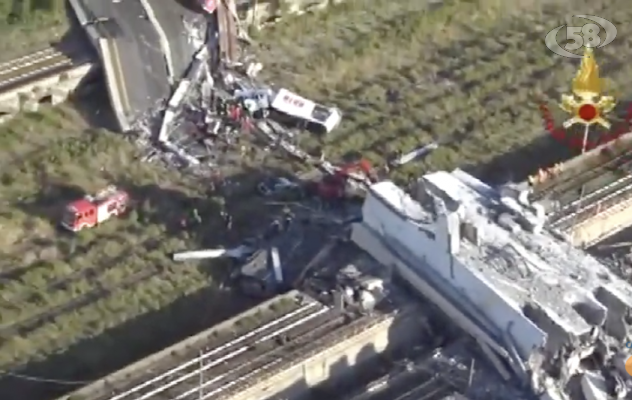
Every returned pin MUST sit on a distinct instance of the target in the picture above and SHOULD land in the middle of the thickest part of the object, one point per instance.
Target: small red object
(588, 112)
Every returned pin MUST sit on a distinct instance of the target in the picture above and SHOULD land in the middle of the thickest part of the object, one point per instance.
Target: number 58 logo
(587, 35)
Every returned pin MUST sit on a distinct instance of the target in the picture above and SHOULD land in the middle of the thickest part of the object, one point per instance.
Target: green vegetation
(99, 296)
(27, 25)
(469, 72)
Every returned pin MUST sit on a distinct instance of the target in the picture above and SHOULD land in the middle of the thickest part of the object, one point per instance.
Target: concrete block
(30, 105)
(9, 103)
(61, 93)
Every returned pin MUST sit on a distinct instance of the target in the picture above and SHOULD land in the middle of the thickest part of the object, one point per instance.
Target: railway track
(421, 385)
(574, 182)
(229, 364)
(245, 370)
(421, 379)
(34, 66)
(595, 190)
(579, 206)
(609, 197)
(587, 193)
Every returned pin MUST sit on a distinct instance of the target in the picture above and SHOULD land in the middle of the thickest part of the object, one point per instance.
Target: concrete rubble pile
(549, 317)
(213, 109)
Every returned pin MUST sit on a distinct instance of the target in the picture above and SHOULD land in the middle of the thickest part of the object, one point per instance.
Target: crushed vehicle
(261, 275)
(278, 185)
(344, 182)
(290, 108)
(256, 101)
(92, 210)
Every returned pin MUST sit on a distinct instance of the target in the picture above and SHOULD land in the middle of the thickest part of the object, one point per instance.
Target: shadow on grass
(114, 349)
(49, 202)
(545, 150)
(516, 165)
(93, 104)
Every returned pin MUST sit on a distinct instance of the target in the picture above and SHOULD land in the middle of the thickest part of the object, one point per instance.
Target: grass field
(29, 25)
(469, 73)
(76, 306)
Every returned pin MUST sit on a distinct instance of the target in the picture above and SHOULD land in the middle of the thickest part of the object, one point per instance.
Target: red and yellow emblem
(587, 105)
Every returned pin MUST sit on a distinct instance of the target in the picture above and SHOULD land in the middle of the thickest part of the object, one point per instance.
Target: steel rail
(296, 353)
(16, 63)
(242, 372)
(610, 199)
(434, 388)
(32, 67)
(230, 356)
(232, 348)
(588, 199)
(577, 180)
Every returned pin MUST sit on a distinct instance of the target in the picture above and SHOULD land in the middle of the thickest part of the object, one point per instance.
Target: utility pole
(201, 383)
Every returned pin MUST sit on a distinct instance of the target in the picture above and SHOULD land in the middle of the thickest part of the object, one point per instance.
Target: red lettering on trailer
(293, 101)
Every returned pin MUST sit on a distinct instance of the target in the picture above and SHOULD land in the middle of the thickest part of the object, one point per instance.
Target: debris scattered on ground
(415, 154)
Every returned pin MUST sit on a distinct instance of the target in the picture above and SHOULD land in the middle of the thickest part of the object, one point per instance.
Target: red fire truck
(92, 210)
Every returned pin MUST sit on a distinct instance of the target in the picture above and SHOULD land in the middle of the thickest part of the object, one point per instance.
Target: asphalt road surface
(143, 64)
(176, 20)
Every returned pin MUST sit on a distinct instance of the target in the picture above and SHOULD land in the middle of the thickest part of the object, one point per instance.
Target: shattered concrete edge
(259, 15)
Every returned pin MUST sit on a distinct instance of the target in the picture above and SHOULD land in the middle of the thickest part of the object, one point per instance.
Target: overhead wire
(44, 380)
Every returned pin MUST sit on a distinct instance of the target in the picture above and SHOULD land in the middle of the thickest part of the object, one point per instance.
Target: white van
(315, 117)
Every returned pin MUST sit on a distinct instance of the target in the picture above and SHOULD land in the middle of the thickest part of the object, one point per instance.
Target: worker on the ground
(235, 112)
(287, 221)
(228, 222)
(246, 124)
(227, 218)
(275, 227)
(196, 216)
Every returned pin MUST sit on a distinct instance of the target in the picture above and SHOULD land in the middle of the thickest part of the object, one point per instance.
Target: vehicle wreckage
(547, 316)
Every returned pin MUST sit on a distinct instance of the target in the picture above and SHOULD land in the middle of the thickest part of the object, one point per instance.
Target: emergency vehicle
(93, 210)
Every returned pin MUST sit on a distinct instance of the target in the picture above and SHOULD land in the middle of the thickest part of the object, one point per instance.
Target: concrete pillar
(9, 103)
(6, 117)
(30, 105)
(61, 92)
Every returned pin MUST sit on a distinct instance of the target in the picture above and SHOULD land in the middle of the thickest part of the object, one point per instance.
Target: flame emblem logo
(586, 104)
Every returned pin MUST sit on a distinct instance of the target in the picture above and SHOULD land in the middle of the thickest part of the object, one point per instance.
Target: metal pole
(471, 377)
(585, 141)
(201, 383)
